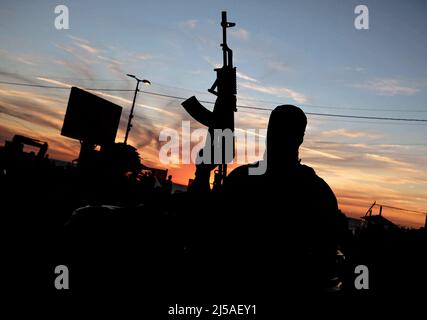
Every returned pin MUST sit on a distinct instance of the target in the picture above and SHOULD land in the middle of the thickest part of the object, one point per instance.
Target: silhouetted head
(285, 133)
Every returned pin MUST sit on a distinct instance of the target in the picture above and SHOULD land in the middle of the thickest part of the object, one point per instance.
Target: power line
(210, 102)
(365, 117)
(380, 122)
(396, 208)
(310, 113)
(340, 120)
(375, 144)
(358, 108)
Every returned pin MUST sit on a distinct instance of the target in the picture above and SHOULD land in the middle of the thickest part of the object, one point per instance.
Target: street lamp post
(129, 126)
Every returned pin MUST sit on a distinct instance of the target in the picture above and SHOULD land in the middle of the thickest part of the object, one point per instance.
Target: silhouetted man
(286, 219)
(168, 185)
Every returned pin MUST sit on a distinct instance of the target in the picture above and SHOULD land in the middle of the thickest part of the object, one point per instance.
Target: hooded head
(285, 133)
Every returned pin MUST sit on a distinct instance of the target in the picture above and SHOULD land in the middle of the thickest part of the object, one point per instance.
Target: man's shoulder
(240, 176)
(310, 173)
(307, 170)
(243, 170)
(319, 184)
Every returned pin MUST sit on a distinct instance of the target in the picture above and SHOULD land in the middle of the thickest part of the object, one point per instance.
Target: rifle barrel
(224, 37)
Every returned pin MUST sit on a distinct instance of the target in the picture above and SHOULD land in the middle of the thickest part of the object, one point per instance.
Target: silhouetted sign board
(90, 118)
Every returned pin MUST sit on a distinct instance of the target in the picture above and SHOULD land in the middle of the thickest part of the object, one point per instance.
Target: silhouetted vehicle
(18, 142)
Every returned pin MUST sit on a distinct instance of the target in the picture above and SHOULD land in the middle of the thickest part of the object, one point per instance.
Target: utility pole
(129, 126)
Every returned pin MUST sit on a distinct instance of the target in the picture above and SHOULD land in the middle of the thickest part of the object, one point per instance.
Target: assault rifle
(220, 121)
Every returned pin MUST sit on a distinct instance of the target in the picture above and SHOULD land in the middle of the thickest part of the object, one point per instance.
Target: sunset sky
(306, 53)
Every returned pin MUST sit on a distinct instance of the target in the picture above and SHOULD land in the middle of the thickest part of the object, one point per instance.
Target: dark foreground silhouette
(261, 237)
(291, 218)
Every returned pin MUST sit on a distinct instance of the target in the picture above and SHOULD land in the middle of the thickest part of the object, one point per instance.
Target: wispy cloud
(65, 48)
(34, 109)
(28, 59)
(322, 153)
(240, 33)
(190, 24)
(276, 91)
(16, 76)
(55, 82)
(390, 87)
(88, 48)
(84, 44)
(355, 69)
(111, 96)
(86, 58)
(384, 159)
(110, 60)
(350, 134)
(78, 39)
(244, 76)
(212, 63)
(278, 66)
(143, 56)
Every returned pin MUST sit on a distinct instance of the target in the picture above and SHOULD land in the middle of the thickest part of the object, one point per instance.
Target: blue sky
(303, 52)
